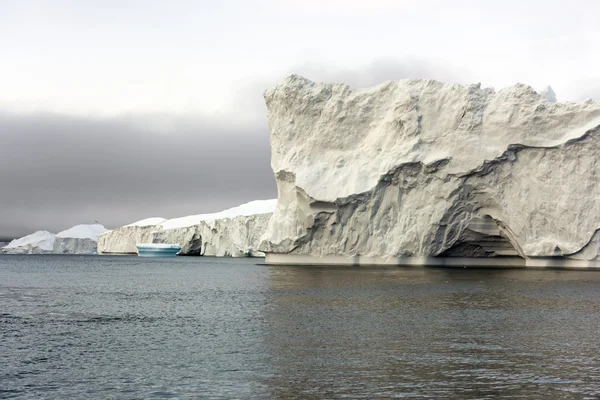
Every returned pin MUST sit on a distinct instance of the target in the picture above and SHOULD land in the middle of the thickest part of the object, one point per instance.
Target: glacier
(234, 232)
(419, 171)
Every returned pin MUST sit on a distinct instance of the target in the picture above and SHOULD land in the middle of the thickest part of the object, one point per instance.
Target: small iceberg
(157, 249)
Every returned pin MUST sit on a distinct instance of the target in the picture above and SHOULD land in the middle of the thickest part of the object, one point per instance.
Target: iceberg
(158, 249)
(80, 239)
(39, 242)
(234, 232)
(548, 94)
(423, 172)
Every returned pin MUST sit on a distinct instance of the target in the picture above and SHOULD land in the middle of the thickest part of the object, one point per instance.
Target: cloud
(58, 171)
(385, 70)
(337, 8)
(589, 89)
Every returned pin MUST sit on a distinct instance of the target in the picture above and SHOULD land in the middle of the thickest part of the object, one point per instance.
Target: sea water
(83, 327)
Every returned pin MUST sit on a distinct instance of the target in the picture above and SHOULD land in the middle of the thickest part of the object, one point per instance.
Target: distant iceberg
(234, 232)
(39, 242)
(158, 249)
(80, 239)
(548, 94)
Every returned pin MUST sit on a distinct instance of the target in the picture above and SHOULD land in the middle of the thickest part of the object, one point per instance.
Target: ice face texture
(80, 239)
(420, 168)
(234, 232)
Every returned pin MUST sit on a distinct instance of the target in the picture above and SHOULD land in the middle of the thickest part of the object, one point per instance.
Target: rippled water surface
(132, 328)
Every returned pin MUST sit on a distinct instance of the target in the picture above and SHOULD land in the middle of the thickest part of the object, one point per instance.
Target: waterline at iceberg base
(423, 172)
(439, 261)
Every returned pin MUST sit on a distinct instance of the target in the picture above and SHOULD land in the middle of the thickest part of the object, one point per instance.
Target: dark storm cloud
(58, 171)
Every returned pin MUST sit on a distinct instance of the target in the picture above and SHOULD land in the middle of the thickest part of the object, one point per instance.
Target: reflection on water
(109, 327)
(432, 332)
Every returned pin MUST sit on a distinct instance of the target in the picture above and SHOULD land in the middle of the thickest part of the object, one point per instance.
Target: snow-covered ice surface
(83, 232)
(148, 221)
(233, 232)
(251, 208)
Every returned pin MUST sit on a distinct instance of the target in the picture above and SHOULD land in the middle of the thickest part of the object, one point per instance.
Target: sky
(118, 110)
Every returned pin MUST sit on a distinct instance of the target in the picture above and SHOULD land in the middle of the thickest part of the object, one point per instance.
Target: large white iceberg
(80, 239)
(414, 169)
(39, 242)
(233, 232)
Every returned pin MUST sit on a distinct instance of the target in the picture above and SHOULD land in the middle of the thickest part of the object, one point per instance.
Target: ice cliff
(234, 232)
(80, 239)
(124, 239)
(420, 168)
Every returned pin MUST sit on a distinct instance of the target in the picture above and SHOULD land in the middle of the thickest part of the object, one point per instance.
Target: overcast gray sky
(117, 110)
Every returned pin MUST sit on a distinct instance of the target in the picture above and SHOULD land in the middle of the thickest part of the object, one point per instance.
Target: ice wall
(420, 168)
